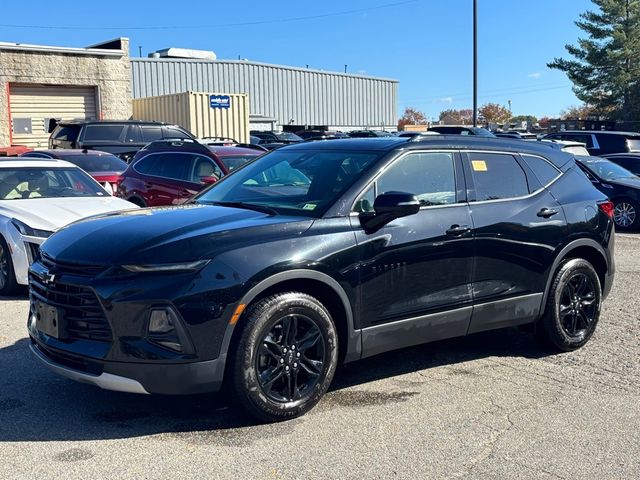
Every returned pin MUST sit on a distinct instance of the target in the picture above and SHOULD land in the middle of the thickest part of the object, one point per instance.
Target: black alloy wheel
(8, 282)
(285, 356)
(573, 305)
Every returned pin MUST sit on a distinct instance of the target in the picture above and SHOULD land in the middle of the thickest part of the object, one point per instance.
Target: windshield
(576, 150)
(22, 183)
(288, 136)
(235, 161)
(98, 163)
(299, 182)
(481, 132)
(633, 144)
(604, 169)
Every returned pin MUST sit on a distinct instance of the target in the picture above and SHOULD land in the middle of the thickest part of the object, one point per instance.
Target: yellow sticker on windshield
(309, 206)
(479, 165)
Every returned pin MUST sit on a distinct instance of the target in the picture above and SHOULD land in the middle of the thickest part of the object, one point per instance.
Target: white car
(38, 197)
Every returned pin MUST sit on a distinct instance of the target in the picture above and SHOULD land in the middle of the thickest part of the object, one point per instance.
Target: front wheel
(8, 282)
(573, 306)
(625, 214)
(285, 357)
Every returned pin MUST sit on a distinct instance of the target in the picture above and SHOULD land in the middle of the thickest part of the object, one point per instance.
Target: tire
(626, 214)
(8, 284)
(573, 306)
(137, 201)
(266, 364)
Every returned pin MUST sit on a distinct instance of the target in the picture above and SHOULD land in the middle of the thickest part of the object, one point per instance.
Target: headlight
(168, 267)
(25, 229)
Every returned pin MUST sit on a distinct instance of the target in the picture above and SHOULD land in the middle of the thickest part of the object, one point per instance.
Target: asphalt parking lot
(492, 405)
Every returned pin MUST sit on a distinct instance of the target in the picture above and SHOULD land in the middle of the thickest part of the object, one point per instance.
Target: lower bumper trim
(105, 380)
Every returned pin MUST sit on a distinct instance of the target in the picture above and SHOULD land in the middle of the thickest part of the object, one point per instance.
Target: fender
(354, 340)
(582, 242)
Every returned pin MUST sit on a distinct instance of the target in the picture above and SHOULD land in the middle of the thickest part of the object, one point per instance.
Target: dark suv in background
(601, 142)
(321, 253)
(121, 138)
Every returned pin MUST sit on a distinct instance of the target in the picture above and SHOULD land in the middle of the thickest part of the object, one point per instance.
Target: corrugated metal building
(287, 97)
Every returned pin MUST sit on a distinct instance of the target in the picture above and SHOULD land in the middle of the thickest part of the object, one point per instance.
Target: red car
(171, 172)
(104, 167)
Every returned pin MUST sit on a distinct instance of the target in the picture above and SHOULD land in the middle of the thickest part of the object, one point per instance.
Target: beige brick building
(39, 83)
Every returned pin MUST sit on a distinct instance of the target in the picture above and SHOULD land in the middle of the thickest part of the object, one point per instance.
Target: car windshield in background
(302, 182)
(22, 183)
(576, 150)
(235, 161)
(604, 169)
(288, 136)
(633, 144)
(481, 132)
(98, 163)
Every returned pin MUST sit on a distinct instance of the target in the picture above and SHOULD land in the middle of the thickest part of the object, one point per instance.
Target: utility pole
(475, 63)
(140, 51)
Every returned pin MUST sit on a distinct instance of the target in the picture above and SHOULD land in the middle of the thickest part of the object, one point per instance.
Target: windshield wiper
(247, 206)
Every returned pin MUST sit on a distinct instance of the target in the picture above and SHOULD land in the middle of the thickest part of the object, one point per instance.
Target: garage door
(33, 105)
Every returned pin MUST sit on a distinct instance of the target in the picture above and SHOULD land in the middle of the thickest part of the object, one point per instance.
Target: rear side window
(544, 171)
(68, 133)
(151, 134)
(497, 176)
(106, 132)
(175, 133)
(172, 165)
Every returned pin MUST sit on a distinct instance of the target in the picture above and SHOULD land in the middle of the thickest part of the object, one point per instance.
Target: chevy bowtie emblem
(48, 278)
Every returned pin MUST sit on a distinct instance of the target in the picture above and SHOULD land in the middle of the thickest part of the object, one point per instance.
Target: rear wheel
(573, 306)
(625, 214)
(285, 357)
(8, 282)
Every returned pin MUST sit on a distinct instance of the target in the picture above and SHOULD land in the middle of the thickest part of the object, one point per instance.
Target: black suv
(121, 138)
(320, 253)
(601, 142)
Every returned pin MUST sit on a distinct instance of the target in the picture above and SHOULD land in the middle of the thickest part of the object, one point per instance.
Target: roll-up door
(33, 105)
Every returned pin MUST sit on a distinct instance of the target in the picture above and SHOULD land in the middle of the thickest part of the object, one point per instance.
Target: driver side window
(430, 176)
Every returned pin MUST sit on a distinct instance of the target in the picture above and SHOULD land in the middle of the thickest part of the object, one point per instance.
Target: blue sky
(425, 44)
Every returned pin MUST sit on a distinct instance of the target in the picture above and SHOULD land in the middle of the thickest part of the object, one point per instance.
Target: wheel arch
(319, 285)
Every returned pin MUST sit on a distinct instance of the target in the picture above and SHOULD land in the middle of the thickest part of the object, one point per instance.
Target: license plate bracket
(49, 319)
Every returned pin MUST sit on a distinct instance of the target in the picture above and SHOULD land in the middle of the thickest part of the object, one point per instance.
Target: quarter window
(151, 134)
(497, 176)
(543, 170)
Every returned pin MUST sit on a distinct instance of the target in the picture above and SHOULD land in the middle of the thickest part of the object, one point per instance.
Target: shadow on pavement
(36, 405)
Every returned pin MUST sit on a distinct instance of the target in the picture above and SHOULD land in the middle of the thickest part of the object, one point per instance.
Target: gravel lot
(492, 405)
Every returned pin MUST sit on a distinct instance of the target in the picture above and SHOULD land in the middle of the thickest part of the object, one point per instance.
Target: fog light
(166, 329)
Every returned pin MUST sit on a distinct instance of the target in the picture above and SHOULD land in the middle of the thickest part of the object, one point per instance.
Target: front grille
(76, 269)
(33, 252)
(83, 314)
(69, 360)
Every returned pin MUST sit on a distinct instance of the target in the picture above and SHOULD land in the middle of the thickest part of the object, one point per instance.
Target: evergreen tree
(605, 70)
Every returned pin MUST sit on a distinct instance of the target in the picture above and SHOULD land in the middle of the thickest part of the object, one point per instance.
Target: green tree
(605, 67)
(524, 118)
(581, 112)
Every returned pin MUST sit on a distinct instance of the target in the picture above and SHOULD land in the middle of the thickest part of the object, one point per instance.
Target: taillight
(607, 208)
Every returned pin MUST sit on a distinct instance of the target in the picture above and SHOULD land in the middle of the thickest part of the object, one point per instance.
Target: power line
(220, 25)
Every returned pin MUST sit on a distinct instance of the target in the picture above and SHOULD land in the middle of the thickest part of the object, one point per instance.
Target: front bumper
(145, 378)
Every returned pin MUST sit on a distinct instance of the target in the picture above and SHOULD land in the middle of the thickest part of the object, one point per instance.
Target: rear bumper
(145, 378)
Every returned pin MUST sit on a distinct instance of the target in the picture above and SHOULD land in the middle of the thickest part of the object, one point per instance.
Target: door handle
(547, 212)
(458, 230)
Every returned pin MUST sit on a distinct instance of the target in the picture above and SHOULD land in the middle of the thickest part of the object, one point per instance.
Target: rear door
(517, 227)
(168, 181)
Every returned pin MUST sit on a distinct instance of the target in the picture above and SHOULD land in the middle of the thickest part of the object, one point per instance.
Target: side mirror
(387, 207)
(209, 180)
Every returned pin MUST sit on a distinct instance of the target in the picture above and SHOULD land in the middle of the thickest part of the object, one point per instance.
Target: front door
(415, 273)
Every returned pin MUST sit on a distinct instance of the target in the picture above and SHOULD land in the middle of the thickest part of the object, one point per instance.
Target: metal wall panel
(192, 111)
(308, 97)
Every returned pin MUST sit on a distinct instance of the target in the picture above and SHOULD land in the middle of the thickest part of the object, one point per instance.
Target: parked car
(37, 198)
(285, 138)
(321, 134)
(104, 167)
(516, 134)
(630, 161)
(369, 134)
(327, 252)
(461, 130)
(266, 144)
(619, 184)
(122, 138)
(574, 148)
(415, 134)
(171, 172)
(601, 142)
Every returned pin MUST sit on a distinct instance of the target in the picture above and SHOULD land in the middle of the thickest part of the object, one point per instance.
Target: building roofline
(26, 47)
(262, 64)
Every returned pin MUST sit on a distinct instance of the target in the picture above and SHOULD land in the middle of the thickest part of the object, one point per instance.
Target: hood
(168, 234)
(631, 182)
(52, 214)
